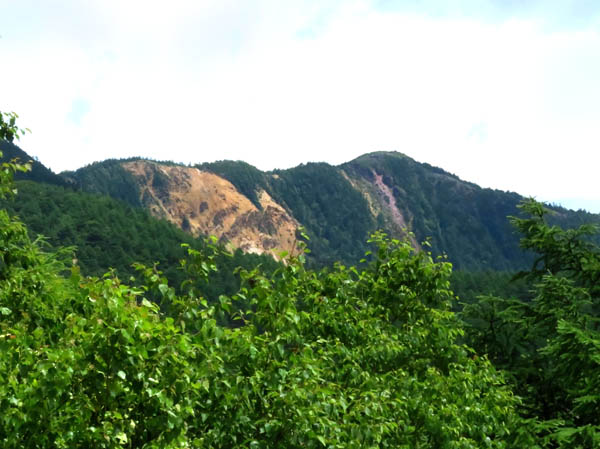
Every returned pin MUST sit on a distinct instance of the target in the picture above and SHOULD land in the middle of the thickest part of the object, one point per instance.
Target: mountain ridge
(338, 206)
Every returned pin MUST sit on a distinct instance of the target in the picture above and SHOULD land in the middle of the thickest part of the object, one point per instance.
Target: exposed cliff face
(382, 203)
(386, 195)
(203, 203)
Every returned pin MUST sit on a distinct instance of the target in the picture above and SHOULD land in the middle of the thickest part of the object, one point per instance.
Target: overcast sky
(503, 93)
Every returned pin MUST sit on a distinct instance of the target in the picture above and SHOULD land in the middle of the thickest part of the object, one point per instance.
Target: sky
(503, 93)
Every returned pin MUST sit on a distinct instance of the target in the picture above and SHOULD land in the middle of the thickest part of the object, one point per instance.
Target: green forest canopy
(340, 357)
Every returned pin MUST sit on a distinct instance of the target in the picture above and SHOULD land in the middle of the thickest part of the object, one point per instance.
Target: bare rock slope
(203, 203)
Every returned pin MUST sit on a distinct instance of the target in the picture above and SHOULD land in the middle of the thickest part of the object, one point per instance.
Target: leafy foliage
(549, 346)
(83, 365)
(317, 363)
(108, 234)
(336, 358)
(341, 357)
(9, 131)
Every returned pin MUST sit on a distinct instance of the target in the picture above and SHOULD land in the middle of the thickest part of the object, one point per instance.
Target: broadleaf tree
(549, 347)
(343, 357)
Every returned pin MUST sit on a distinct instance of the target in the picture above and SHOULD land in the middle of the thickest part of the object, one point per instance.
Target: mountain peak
(339, 206)
(378, 156)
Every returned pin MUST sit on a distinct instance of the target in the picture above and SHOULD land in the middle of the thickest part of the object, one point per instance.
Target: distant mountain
(38, 173)
(339, 206)
(108, 233)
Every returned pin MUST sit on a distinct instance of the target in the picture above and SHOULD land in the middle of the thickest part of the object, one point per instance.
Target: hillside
(461, 219)
(286, 354)
(107, 233)
(339, 206)
(38, 172)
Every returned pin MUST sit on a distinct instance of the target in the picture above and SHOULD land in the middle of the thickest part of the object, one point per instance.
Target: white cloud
(277, 85)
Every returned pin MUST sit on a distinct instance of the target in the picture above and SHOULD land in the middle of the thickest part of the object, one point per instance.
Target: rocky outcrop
(382, 202)
(203, 203)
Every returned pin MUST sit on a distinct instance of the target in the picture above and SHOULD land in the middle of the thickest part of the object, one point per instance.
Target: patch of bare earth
(203, 203)
(387, 196)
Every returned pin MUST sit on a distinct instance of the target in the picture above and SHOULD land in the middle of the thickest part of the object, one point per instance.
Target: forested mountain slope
(461, 219)
(338, 206)
(371, 356)
(108, 233)
(38, 172)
